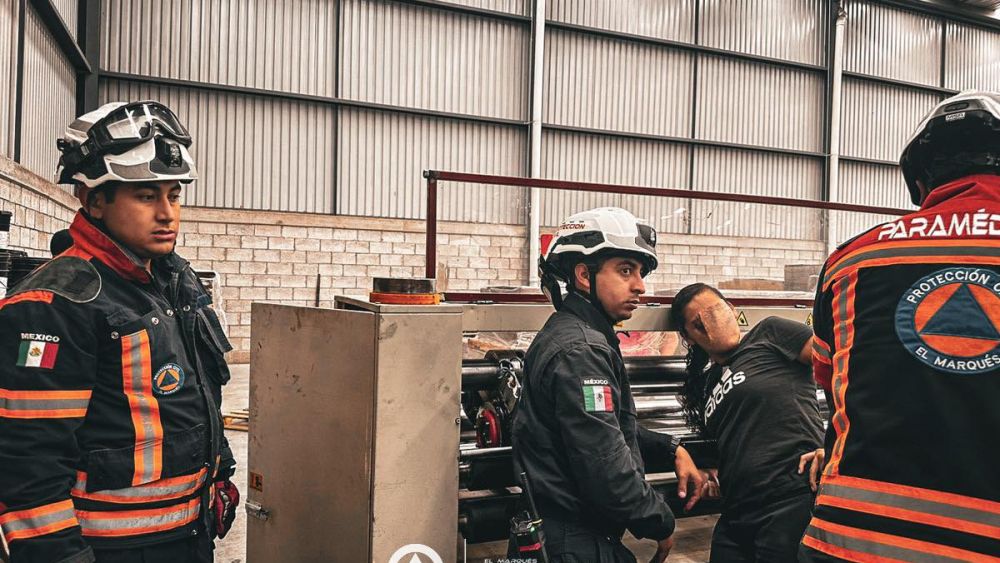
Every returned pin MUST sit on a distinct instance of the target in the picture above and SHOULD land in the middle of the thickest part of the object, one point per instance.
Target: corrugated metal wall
(69, 11)
(756, 173)
(431, 59)
(616, 85)
(252, 152)
(426, 58)
(623, 93)
(586, 157)
(759, 104)
(8, 73)
(972, 58)
(793, 30)
(877, 119)
(892, 43)
(49, 97)
(672, 20)
(867, 184)
(286, 45)
(381, 155)
(765, 105)
(605, 83)
(518, 7)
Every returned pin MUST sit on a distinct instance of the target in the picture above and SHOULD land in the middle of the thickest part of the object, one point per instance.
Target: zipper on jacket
(190, 348)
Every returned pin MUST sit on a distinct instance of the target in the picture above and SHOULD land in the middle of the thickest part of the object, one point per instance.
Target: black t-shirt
(762, 408)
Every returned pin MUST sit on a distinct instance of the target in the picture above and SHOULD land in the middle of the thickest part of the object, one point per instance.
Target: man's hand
(689, 479)
(663, 550)
(711, 488)
(815, 468)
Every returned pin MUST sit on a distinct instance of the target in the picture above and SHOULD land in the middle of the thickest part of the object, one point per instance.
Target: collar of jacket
(89, 238)
(581, 307)
(976, 186)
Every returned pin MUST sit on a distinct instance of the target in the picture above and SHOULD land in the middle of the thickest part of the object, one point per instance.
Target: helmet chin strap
(592, 295)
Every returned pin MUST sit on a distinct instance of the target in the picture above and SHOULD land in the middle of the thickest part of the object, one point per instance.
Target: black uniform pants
(567, 542)
(770, 533)
(196, 549)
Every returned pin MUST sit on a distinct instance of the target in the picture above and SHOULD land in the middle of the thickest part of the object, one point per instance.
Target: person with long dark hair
(754, 393)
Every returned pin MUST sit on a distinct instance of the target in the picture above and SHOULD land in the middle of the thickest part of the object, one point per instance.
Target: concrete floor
(692, 537)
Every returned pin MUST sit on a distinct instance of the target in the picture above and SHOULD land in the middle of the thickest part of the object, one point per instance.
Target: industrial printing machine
(398, 439)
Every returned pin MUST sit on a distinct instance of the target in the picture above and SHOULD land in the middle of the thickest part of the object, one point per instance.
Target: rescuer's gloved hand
(225, 500)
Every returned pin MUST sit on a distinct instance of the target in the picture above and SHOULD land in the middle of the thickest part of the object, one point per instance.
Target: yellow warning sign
(809, 319)
(742, 319)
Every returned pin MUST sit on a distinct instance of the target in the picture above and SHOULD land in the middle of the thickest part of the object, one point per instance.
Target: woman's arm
(805, 355)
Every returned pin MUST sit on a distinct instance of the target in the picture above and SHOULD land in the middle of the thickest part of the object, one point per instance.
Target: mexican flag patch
(597, 398)
(36, 354)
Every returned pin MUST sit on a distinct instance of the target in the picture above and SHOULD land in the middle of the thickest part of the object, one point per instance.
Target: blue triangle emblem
(961, 316)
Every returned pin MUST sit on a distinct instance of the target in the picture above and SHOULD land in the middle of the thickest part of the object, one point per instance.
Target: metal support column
(22, 7)
(537, 86)
(833, 162)
(89, 34)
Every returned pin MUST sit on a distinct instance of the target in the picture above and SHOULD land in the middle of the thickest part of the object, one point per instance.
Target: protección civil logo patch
(168, 379)
(950, 320)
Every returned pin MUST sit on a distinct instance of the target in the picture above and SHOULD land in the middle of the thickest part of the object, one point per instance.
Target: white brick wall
(39, 208)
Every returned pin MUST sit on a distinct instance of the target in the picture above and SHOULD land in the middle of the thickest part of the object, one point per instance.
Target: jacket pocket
(213, 345)
(180, 453)
(125, 321)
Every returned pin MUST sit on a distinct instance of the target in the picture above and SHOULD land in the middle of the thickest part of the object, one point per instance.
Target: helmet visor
(137, 122)
(647, 237)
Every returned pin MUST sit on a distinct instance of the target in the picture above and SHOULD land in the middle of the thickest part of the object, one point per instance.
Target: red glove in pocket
(225, 501)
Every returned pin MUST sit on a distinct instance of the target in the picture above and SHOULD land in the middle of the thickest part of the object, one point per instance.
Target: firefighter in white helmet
(111, 365)
(575, 432)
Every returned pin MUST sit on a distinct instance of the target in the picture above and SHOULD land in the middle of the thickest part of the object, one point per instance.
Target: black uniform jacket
(110, 384)
(575, 430)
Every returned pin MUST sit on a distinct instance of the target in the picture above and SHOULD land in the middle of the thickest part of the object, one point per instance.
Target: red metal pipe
(659, 192)
(430, 270)
(470, 297)
(433, 176)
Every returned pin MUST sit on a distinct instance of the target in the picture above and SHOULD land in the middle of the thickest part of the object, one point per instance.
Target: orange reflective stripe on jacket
(157, 491)
(865, 546)
(34, 522)
(137, 381)
(844, 295)
(913, 504)
(36, 295)
(914, 252)
(122, 523)
(820, 350)
(44, 404)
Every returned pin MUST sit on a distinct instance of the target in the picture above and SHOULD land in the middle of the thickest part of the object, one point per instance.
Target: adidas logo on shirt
(726, 383)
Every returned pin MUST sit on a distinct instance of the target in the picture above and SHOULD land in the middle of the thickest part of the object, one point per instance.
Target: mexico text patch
(597, 398)
(950, 320)
(38, 350)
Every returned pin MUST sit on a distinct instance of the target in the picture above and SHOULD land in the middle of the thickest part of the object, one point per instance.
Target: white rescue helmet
(590, 236)
(125, 142)
(959, 137)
